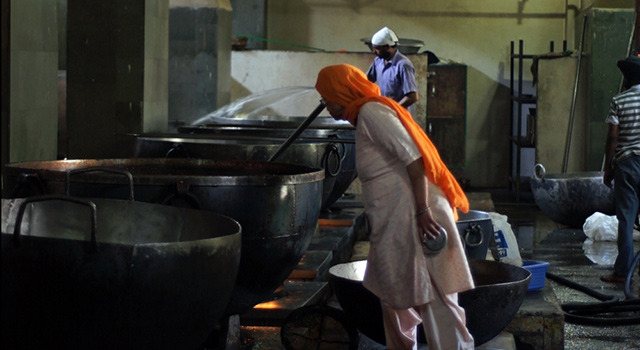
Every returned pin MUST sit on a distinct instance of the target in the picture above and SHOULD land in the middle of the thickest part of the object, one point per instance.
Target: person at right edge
(622, 163)
(392, 71)
(408, 195)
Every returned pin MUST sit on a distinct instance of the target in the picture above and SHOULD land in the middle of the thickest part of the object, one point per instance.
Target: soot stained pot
(570, 198)
(324, 154)
(276, 204)
(325, 129)
(500, 290)
(113, 274)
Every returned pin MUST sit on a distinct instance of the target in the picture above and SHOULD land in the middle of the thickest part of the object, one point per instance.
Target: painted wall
(33, 101)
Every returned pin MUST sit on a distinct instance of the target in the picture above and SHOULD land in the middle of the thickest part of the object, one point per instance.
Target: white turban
(384, 36)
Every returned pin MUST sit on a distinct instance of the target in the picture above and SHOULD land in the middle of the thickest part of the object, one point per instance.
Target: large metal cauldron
(276, 204)
(113, 274)
(500, 290)
(569, 199)
(323, 128)
(276, 122)
(324, 154)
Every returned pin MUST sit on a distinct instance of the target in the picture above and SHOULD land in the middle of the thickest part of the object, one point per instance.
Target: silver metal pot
(475, 229)
(569, 199)
(337, 158)
(113, 274)
(276, 204)
(500, 290)
(275, 122)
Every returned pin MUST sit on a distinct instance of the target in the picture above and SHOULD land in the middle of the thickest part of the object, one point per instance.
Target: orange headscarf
(347, 86)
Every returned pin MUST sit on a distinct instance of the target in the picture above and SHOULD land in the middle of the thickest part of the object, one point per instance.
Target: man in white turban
(393, 71)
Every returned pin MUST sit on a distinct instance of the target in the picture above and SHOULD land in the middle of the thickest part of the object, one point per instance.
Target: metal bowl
(500, 290)
(569, 199)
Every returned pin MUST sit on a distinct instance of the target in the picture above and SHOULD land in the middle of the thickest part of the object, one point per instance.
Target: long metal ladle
(316, 112)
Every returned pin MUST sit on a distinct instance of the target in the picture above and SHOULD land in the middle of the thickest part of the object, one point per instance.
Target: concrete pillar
(117, 74)
(199, 58)
(29, 80)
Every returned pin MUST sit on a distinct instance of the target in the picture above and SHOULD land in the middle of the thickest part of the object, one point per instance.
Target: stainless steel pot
(276, 204)
(476, 229)
(337, 158)
(113, 274)
(500, 290)
(570, 198)
(343, 136)
(276, 122)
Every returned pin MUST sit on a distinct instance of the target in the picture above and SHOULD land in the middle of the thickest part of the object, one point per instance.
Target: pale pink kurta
(398, 271)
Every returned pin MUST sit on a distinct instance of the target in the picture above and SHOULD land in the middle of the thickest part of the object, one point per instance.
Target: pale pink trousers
(442, 319)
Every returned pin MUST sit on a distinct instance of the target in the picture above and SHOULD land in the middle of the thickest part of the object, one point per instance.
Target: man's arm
(371, 73)
(610, 147)
(409, 99)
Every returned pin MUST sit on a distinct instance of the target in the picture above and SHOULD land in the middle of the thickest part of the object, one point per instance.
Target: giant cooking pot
(283, 126)
(489, 307)
(113, 274)
(276, 204)
(570, 198)
(275, 121)
(340, 135)
(324, 153)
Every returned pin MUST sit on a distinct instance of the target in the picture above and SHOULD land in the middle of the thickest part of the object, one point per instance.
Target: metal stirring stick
(298, 131)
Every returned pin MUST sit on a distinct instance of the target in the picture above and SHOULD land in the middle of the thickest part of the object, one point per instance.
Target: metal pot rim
(57, 170)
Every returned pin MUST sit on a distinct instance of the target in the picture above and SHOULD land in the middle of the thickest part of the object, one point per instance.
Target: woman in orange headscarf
(408, 194)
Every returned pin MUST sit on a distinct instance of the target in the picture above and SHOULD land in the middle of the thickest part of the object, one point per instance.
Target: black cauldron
(277, 205)
(500, 290)
(113, 274)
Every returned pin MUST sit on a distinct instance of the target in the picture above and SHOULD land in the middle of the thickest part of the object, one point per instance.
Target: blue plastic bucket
(538, 271)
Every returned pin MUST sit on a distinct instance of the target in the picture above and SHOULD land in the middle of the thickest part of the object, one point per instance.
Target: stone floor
(542, 240)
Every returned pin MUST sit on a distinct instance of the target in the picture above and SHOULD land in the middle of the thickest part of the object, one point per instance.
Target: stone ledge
(540, 321)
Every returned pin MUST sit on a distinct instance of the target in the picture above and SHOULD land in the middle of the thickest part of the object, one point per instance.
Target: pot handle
(539, 171)
(177, 151)
(471, 235)
(32, 181)
(107, 170)
(333, 151)
(50, 197)
(182, 191)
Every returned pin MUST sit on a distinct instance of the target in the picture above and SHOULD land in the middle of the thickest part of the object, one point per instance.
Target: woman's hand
(428, 228)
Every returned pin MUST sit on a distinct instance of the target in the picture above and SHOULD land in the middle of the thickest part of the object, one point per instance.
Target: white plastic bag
(600, 252)
(601, 227)
(506, 242)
